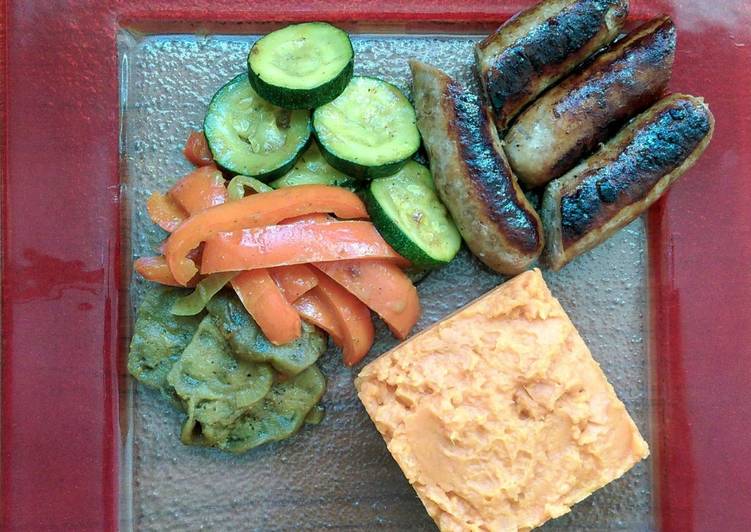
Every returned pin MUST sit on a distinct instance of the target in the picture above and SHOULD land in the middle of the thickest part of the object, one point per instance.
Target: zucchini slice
(301, 66)
(312, 169)
(406, 210)
(248, 135)
(369, 130)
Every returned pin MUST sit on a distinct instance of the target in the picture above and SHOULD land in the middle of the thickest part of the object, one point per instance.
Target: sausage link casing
(629, 173)
(472, 175)
(574, 117)
(539, 46)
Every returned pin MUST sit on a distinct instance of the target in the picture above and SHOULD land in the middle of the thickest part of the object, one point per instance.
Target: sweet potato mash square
(498, 415)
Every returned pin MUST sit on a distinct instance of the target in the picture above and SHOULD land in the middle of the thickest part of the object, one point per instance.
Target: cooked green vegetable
(280, 414)
(301, 66)
(248, 135)
(369, 130)
(215, 387)
(159, 338)
(312, 169)
(192, 360)
(249, 343)
(236, 187)
(407, 212)
(315, 416)
(196, 301)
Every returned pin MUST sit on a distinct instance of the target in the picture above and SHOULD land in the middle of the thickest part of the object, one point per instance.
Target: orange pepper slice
(200, 189)
(294, 280)
(267, 208)
(155, 269)
(263, 300)
(197, 149)
(382, 286)
(295, 243)
(165, 211)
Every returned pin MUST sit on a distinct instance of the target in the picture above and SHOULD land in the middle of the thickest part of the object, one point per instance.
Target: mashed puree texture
(498, 415)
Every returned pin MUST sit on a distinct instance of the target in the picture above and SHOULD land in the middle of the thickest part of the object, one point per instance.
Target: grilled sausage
(572, 118)
(628, 174)
(539, 46)
(472, 175)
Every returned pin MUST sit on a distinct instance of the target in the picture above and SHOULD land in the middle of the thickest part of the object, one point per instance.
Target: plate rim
(34, 465)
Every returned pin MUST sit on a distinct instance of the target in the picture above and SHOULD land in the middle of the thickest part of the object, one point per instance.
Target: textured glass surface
(339, 475)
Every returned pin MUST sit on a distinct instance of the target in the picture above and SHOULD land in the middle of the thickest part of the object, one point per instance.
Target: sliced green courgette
(406, 210)
(248, 135)
(312, 169)
(301, 66)
(369, 130)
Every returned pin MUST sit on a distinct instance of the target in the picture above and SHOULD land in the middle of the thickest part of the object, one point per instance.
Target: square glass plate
(340, 475)
(77, 439)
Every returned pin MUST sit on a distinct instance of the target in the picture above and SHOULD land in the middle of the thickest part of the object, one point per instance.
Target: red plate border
(60, 431)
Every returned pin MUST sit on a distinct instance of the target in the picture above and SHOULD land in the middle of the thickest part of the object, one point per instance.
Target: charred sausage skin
(629, 173)
(574, 117)
(539, 46)
(472, 175)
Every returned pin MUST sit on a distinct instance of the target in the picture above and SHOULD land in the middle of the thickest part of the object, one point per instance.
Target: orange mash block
(498, 415)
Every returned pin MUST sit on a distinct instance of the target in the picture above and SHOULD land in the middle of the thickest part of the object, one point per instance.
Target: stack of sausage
(581, 113)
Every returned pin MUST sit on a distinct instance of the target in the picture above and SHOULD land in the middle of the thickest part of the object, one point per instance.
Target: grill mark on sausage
(654, 150)
(637, 77)
(489, 173)
(649, 46)
(538, 53)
